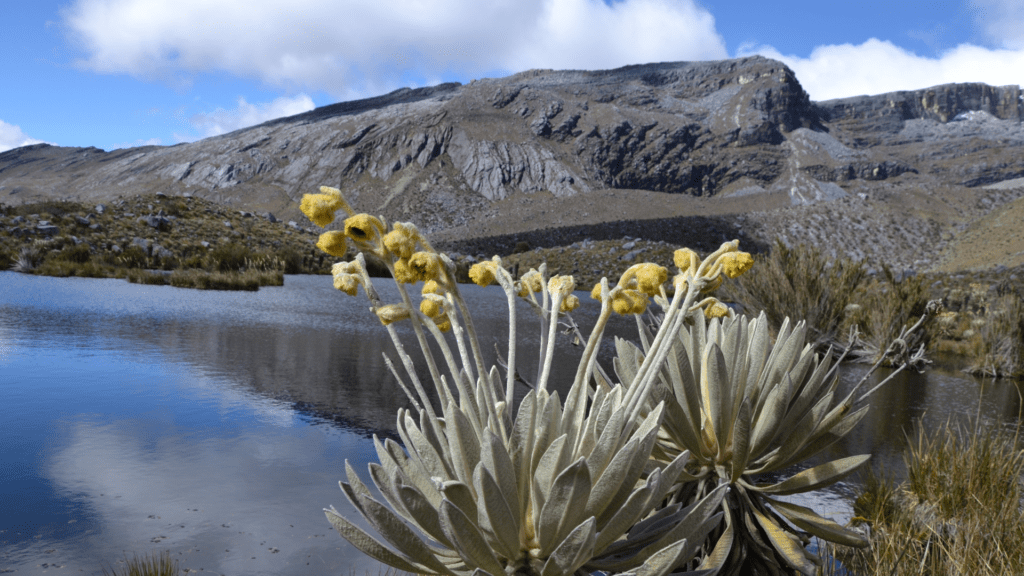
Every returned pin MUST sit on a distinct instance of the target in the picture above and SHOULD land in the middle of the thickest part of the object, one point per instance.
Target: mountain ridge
(739, 141)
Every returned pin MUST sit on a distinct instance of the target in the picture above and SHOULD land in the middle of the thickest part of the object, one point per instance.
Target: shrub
(133, 257)
(79, 254)
(886, 306)
(801, 282)
(229, 257)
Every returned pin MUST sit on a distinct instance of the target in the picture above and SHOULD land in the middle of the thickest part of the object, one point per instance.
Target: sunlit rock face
(542, 151)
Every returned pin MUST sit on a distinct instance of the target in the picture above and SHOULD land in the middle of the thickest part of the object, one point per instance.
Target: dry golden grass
(958, 513)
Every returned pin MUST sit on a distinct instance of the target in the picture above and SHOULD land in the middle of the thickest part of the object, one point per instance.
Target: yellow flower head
(392, 313)
(563, 285)
(570, 303)
(483, 273)
(403, 273)
(425, 265)
(347, 283)
(443, 322)
(347, 276)
(431, 306)
(595, 292)
(333, 242)
(716, 310)
(650, 277)
(629, 302)
(686, 259)
(401, 241)
(432, 287)
(320, 208)
(364, 228)
(530, 282)
(735, 263)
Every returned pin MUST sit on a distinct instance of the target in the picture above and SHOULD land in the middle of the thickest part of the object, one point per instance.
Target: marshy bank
(156, 239)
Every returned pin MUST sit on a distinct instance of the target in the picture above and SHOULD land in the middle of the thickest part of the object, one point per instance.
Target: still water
(215, 425)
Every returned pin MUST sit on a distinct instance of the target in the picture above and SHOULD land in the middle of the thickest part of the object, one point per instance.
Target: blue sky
(120, 73)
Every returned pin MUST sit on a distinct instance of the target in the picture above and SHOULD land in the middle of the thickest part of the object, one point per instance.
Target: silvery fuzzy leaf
(620, 519)
(494, 456)
(613, 479)
(700, 519)
(825, 437)
(398, 467)
(663, 561)
(573, 552)
(679, 427)
(768, 422)
(426, 448)
(790, 551)
(684, 382)
(809, 521)
(422, 512)
(521, 452)
(740, 441)
(573, 413)
(461, 496)
(392, 528)
(468, 540)
(646, 434)
(626, 361)
(757, 354)
(608, 443)
(464, 444)
(714, 388)
(548, 467)
(498, 516)
(796, 435)
(655, 524)
(814, 478)
(374, 548)
(716, 559)
(387, 485)
(565, 506)
(788, 353)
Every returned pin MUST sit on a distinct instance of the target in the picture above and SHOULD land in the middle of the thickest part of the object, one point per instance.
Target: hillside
(685, 152)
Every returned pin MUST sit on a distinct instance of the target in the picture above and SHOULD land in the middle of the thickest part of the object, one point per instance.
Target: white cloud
(1002, 21)
(352, 49)
(878, 66)
(222, 121)
(12, 137)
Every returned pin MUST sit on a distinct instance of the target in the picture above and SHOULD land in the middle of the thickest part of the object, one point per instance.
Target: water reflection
(215, 425)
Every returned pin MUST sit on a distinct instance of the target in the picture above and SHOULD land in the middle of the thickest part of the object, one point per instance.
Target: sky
(123, 73)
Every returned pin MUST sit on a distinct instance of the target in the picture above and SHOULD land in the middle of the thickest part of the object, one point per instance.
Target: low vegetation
(959, 512)
(202, 244)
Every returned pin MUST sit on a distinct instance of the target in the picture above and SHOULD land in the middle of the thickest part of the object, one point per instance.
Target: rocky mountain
(684, 152)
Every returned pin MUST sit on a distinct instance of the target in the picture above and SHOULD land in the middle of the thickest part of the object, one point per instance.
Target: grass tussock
(958, 513)
(250, 279)
(160, 565)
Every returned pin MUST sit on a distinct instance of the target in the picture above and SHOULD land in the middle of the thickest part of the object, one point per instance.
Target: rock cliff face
(563, 146)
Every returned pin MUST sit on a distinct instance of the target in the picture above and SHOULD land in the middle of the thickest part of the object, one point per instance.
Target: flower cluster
(405, 252)
(708, 274)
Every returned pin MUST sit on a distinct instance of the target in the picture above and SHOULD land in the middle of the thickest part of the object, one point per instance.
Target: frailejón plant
(747, 409)
(542, 488)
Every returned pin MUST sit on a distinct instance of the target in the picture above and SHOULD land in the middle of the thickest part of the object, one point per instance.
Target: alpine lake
(215, 425)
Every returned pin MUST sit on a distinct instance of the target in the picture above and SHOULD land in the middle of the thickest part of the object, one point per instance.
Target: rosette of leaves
(747, 409)
(563, 494)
